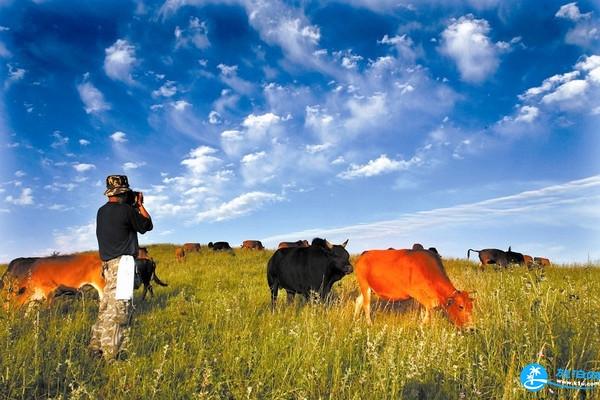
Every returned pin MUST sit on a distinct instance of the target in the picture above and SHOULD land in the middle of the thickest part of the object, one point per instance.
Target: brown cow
(298, 243)
(43, 278)
(180, 254)
(418, 246)
(528, 260)
(544, 262)
(405, 274)
(190, 247)
(252, 244)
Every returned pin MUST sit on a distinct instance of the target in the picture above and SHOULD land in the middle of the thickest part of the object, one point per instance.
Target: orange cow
(544, 262)
(528, 260)
(405, 274)
(191, 247)
(42, 278)
(180, 254)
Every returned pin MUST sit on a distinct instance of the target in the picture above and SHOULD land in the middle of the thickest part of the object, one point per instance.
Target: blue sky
(457, 124)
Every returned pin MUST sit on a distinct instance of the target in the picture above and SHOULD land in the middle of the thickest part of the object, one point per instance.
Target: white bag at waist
(125, 277)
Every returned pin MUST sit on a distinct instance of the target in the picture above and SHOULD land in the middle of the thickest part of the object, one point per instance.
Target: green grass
(210, 335)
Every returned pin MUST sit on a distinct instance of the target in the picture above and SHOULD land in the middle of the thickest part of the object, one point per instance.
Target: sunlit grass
(211, 334)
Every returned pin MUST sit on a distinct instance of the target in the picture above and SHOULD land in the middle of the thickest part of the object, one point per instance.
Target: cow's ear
(345, 243)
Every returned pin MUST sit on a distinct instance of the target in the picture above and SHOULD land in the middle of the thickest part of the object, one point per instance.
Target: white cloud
(380, 165)
(81, 167)
(119, 61)
(180, 105)
(84, 142)
(586, 29)
(20, 174)
(75, 238)
(571, 11)
(528, 114)
(14, 74)
(253, 157)
(26, 198)
(168, 89)
(133, 165)
(200, 160)
(59, 140)
(466, 41)
(195, 34)
(240, 206)
(214, 118)
(119, 137)
(549, 84)
(566, 91)
(229, 76)
(92, 98)
(317, 148)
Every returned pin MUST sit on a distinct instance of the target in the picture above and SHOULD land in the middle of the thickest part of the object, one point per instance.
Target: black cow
(515, 258)
(491, 256)
(216, 246)
(145, 271)
(304, 269)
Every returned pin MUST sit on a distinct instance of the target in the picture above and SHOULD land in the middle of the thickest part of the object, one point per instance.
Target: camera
(131, 198)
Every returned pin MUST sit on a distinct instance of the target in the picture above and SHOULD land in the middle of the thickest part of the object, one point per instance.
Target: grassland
(210, 335)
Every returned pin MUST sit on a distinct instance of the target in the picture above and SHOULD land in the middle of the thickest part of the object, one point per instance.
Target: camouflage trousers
(110, 333)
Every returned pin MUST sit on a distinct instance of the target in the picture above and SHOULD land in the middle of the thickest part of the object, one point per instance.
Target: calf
(302, 270)
(404, 274)
(180, 254)
(145, 271)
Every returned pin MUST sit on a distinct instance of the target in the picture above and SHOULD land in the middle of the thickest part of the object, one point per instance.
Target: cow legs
(426, 316)
(290, 297)
(274, 290)
(364, 300)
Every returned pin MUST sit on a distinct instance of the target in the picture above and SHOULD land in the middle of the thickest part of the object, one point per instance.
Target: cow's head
(459, 307)
(340, 257)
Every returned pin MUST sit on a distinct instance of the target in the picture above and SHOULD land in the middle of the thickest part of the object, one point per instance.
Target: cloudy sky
(456, 124)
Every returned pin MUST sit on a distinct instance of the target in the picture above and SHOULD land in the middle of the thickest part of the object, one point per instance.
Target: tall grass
(211, 335)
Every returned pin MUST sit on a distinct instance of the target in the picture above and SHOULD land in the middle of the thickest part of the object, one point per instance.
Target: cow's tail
(469, 252)
(158, 281)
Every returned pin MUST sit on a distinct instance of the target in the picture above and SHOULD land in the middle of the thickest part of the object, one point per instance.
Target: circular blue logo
(534, 377)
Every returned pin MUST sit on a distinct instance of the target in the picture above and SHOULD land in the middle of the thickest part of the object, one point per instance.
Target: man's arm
(143, 224)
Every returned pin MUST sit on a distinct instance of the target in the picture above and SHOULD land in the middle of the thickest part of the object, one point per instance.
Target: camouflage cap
(116, 184)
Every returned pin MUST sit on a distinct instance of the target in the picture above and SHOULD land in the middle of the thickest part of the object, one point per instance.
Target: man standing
(117, 224)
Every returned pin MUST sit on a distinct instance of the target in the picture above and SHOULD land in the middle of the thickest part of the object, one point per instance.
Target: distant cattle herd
(297, 267)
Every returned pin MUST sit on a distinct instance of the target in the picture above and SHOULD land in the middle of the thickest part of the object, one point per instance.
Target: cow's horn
(345, 243)
(329, 245)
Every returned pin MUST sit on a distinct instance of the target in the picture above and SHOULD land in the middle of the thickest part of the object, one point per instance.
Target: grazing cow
(544, 262)
(252, 244)
(515, 258)
(300, 270)
(191, 247)
(43, 278)
(417, 246)
(145, 271)
(298, 243)
(180, 254)
(218, 246)
(491, 256)
(528, 260)
(405, 274)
